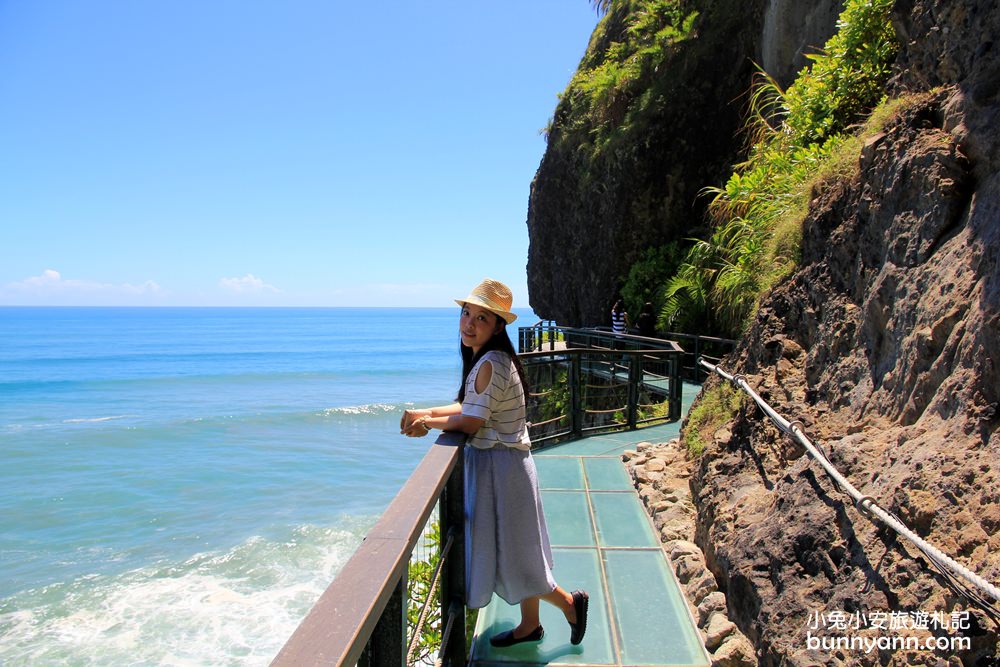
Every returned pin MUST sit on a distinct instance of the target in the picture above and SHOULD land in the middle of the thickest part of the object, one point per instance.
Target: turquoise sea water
(178, 486)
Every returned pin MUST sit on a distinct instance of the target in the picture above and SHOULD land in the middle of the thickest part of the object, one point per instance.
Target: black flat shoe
(507, 638)
(580, 603)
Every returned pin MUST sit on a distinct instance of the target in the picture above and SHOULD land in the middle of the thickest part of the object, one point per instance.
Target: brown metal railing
(361, 617)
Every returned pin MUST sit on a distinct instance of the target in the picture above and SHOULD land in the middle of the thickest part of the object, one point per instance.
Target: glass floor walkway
(602, 541)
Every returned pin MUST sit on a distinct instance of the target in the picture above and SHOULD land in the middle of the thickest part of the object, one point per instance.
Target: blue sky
(273, 153)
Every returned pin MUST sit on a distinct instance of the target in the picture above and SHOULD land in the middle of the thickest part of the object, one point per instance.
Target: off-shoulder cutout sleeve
(481, 403)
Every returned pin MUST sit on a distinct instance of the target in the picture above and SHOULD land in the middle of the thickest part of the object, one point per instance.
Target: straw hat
(494, 296)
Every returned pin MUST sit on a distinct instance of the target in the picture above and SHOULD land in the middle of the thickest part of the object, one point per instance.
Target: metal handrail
(671, 335)
(577, 373)
(530, 339)
(361, 617)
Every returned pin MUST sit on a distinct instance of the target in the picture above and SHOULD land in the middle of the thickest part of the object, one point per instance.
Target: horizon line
(275, 307)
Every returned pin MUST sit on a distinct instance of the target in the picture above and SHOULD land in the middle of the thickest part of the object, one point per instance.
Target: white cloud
(48, 278)
(247, 284)
(51, 287)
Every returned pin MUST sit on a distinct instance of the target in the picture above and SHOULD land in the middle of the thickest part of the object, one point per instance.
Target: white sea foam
(229, 608)
(370, 409)
(94, 419)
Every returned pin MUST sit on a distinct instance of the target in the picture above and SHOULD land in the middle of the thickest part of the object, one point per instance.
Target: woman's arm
(410, 416)
(413, 414)
(455, 422)
(450, 417)
(447, 410)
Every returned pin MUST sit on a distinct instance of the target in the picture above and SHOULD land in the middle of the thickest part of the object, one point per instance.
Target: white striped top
(501, 405)
(618, 321)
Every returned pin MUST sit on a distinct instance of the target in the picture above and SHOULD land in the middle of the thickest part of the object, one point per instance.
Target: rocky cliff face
(886, 346)
(592, 213)
(792, 29)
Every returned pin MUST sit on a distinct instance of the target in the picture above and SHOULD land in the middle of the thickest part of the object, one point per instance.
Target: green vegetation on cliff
(798, 138)
(616, 84)
(716, 407)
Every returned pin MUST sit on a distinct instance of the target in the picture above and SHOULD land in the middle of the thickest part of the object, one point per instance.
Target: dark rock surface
(793, 28)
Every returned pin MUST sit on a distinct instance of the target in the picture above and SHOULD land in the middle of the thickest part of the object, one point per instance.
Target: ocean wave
(234, 607)
(369, 409)
(263, 418)
(95, 419)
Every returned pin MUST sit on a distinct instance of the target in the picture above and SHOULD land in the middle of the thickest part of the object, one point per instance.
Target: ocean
(179, 485)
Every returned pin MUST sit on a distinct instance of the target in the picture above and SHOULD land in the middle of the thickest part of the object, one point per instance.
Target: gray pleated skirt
(507, 547)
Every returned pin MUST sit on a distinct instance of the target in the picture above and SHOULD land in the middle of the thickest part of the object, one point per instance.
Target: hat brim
(507, 316)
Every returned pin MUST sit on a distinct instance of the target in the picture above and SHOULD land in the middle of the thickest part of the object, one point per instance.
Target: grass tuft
(716, 407)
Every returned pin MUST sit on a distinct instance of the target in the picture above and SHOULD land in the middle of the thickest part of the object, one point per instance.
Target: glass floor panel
(651, 616)
(621, 521)
(594, 445)
(607, 474)
(611, 444)
(574, 568)
(637, 613)
(559, 473)
(568, 519)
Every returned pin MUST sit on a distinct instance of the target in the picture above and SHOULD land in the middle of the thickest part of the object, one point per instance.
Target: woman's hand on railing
(416, 430)
(409, 423)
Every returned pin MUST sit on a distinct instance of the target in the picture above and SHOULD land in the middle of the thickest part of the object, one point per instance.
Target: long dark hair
(499, 341)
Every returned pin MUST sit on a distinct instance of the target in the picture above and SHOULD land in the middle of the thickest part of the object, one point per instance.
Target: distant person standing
(619, 318)
(646, 321)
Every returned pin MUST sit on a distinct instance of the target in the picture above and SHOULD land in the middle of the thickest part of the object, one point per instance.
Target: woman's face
(477, 325)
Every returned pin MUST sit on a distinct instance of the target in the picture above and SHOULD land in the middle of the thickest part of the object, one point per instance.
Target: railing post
(453, 570)
(634, 362)
(387, 645)
(675, 385)
(576, 410)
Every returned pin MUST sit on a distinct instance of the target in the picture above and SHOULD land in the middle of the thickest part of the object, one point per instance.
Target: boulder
(735, 651)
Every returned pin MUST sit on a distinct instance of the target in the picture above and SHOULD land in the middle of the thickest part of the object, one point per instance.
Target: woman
(507, 543)
(619, 318)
